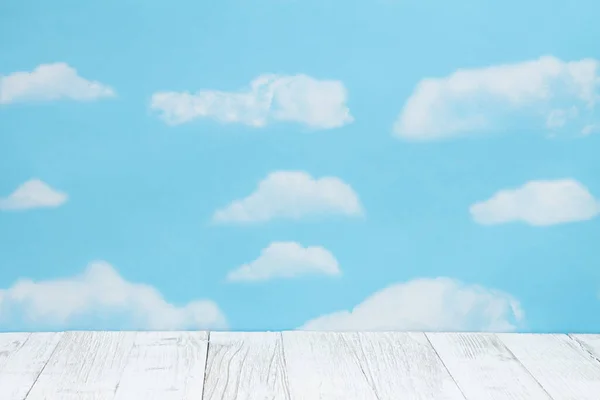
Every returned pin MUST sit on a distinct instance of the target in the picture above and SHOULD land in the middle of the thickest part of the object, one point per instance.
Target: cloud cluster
(292, 195)
(287, 260)
(33, 194)
(319, 104)
(440, 304)
(479, 99)
(101, 291)
(553, 93)
(49, 82)
(538, 203)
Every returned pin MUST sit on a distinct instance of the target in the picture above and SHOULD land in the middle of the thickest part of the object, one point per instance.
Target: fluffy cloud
(440, 304)
(33, 194)
(538, 203)
(101, 293)
(49, 82)
(287, 260)
(475, 100)
(293, 195)
(320, 104)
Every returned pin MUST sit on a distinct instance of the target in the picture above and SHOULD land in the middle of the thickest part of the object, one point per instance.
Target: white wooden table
(298, 365)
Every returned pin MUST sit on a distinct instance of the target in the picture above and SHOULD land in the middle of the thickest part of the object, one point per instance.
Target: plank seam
(524, 367)
(45, 364)
(286, 381)
(583, 347)
(21, 345)
(205, 365)
(24, 342)
(370, 382)
(445, 366)
(18, 348)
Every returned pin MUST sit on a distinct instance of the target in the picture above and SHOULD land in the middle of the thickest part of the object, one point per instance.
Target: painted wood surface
(484, 368)
(366, 366)
(84, 366)
(245, 366)
(298, 366)
(165, 366)
(22, 358)
(591, 343)
(558, 363)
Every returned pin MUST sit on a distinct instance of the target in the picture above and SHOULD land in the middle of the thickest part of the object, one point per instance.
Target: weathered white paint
(84, 366)
(369, 366)
(591, 343)
(484, 368)
(298, 366)
(245, 366)
(22, 357)
(558, 363)
(165, 366)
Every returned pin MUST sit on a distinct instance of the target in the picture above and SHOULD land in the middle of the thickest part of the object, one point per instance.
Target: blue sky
(383, 133)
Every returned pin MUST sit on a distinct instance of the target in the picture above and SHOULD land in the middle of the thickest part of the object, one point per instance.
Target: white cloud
(98, 293)
(480, 99)
(33, 194)
(49, 82)
(538, 203)
(287, 260)
(320, 104)
(293, 195)
(440, 304)
(590, 128)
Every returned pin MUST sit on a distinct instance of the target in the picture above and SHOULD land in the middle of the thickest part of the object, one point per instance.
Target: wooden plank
(22, 358)
(591, 343)
(245, 366)
(84, 366)
(9, 344)
(366, 366)
(484, 368)
(558, 363)
(165, 366)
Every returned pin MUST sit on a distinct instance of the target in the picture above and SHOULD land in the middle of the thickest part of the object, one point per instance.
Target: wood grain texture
(590, 342)
(84, 366)
(10, 343)
(165, 366)
(22, 358)
(298, 366)
(558, 363)
(484, 368)
(245, 366)
(366, 366)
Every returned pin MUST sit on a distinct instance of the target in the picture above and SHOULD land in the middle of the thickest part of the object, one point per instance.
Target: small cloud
(100, 292)
(319, 104)
(287, 260)
(538, 203)
(481, 99)
(589, 129)
(33, 194)
(49, 82)
(440, 304)
(292, 195)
